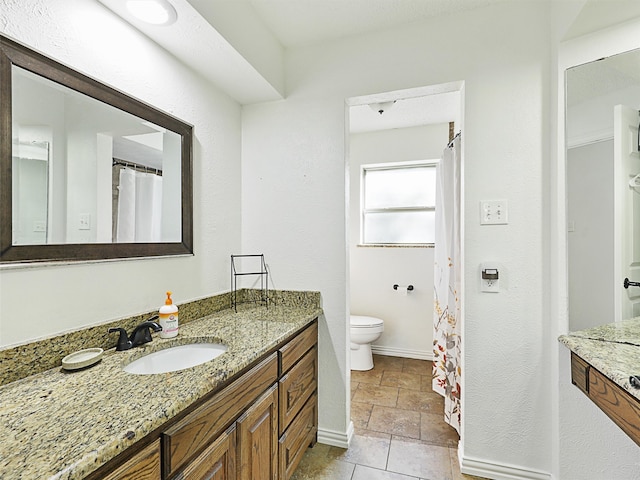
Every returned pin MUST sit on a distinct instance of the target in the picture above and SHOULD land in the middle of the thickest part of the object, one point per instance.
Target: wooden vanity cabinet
(619, 405)
(186, 438)
(273, 416)
(256, 428)
(247, 450)
(298, 402)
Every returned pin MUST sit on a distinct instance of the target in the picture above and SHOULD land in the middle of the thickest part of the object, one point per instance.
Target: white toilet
(364, 331)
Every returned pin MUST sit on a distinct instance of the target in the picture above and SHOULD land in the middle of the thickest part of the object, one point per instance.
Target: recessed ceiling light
(155, 12)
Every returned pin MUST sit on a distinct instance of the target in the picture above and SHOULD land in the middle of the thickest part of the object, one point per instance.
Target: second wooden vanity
(617, 403)
(602, 361)
(257, 426)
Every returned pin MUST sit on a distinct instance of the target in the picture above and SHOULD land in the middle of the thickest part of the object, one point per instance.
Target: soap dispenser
(168, 318)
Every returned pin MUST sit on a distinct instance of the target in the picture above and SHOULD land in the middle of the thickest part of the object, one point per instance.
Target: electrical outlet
(493, 212)
(489, 278)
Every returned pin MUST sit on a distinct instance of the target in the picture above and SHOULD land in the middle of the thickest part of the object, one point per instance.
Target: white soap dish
(82, 358)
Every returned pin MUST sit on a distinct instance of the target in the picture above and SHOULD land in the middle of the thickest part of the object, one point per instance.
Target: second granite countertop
(64, 425)
(613, 349)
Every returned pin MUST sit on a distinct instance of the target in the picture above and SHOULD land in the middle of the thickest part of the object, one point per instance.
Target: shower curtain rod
(450, 144)
(137, 166)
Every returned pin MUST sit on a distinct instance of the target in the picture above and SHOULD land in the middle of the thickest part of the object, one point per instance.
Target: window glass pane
(400, 187)
(399, 227)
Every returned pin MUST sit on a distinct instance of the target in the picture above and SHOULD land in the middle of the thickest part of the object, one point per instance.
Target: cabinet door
(143, 466)
(217, 462)
(258, 439)
(183, 440)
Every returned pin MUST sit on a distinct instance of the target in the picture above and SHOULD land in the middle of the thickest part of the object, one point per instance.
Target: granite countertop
(64, 425)
(613, 349)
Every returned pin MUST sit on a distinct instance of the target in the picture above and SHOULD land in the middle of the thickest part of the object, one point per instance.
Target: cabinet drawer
(580, 373)
(619, 405)
(296, 348)
(297, 386)
(297, 438)
(191, 434)
(217, 462)
(143, 466)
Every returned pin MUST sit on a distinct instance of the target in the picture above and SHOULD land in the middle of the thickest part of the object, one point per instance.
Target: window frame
(432, 163)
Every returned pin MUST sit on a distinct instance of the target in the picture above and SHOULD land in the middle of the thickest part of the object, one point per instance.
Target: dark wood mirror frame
(12, 53)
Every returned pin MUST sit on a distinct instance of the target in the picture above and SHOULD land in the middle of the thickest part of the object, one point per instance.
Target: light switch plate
(493, 212)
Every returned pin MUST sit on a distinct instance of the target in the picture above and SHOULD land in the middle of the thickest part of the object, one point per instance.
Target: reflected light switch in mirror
(84, 222)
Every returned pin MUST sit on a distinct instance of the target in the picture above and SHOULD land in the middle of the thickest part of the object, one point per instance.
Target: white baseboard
(482, 468)
(401, 352)
(336, 439)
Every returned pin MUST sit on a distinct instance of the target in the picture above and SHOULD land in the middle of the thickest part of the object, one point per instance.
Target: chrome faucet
(139, 336)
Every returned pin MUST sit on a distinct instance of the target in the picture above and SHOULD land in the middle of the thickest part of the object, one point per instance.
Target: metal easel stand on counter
(257, 267)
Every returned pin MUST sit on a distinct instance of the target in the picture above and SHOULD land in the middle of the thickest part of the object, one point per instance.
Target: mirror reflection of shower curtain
(139, 207)
(447, 280)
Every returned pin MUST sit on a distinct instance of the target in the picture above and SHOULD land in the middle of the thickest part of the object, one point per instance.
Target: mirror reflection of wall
(599, 233)
(30, 175)
(109, 176)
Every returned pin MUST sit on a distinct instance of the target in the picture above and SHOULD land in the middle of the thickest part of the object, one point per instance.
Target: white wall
(43, 300)
(408, 317)
(520, 410)
(294, 204)
(587, 444)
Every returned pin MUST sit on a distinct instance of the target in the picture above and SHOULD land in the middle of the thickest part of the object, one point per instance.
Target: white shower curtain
(139, 207)
(446, 335)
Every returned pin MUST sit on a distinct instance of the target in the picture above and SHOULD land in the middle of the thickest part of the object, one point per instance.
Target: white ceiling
(598, 14)
(304, 22)
(604, 77)
(242, 26)
(234, 31)
(297, 23)
(407, 111)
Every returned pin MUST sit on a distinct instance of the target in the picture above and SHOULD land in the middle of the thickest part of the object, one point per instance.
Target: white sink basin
(175, 358)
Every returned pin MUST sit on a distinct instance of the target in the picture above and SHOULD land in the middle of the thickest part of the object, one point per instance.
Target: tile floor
(399, 430)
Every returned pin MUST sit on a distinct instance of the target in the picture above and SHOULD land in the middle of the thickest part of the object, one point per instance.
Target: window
(398, 203)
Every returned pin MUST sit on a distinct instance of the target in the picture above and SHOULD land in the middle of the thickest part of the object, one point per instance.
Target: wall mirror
(603, 189)
(87, 172)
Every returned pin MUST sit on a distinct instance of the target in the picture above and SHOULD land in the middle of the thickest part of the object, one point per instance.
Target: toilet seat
(360, 321)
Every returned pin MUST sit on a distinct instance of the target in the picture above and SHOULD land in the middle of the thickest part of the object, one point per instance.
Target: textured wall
(589, 446)
(520, 409)
(299, 145)
(38, 301)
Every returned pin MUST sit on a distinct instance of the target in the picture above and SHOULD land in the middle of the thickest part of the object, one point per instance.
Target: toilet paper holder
(409, 287)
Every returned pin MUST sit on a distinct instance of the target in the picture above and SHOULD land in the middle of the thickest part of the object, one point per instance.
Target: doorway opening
(395, 282)
(400, 127)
